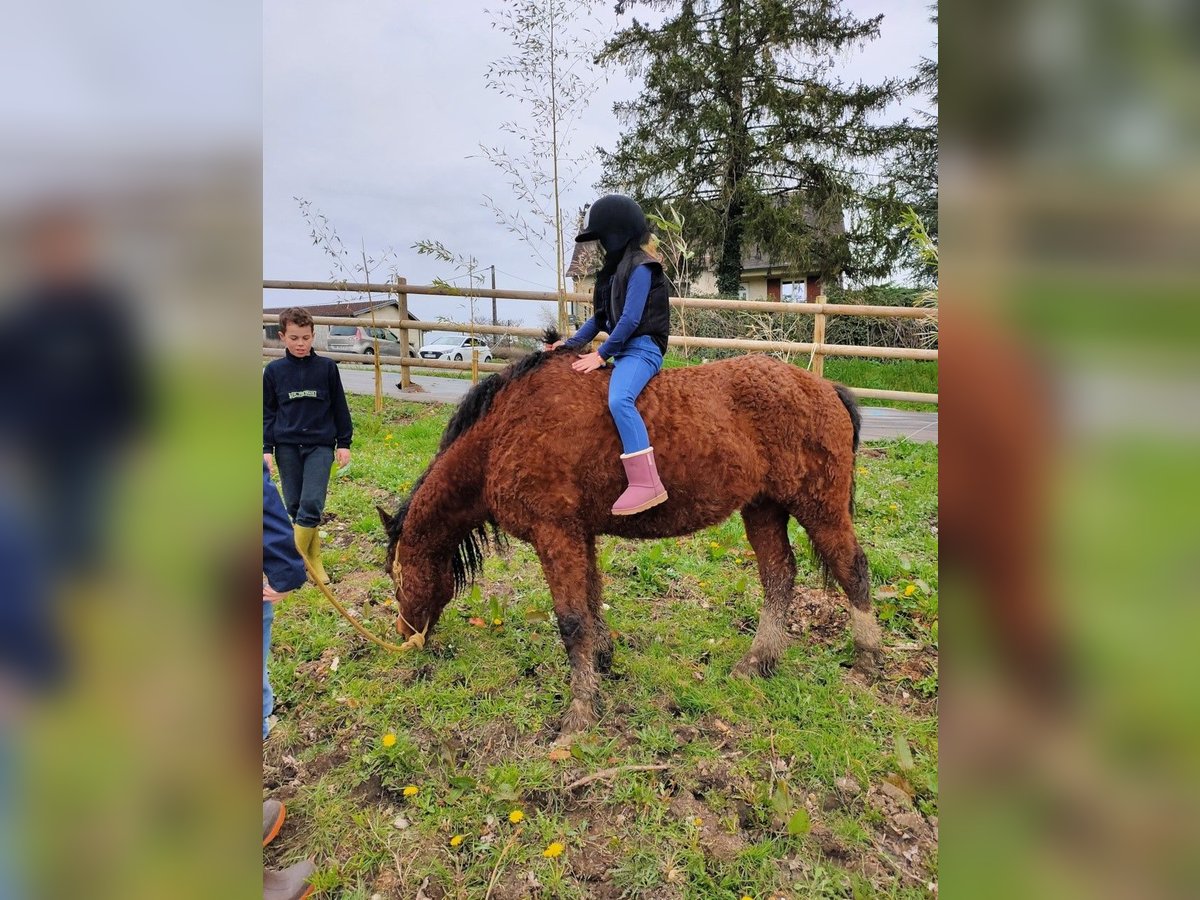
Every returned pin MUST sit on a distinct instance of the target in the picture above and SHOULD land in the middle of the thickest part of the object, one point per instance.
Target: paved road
(879, 423)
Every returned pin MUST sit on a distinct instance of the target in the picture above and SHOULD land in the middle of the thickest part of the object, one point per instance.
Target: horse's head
(423, 582)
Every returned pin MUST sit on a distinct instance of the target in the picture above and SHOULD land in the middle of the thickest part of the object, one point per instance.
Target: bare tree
(551, 74)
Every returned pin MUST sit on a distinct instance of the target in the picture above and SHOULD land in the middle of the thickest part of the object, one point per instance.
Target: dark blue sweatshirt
(303, 403)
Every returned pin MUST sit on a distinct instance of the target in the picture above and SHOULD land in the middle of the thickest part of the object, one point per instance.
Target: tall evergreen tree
(911, 179)
(743, 122)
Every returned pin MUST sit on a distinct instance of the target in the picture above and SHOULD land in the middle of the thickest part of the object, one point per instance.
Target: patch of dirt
(353, 590)
(823, 617)
(389, 886)
(326, 762)
(819, 616)
(716, 841)
(316, 669)
(904, 666)
(907, 840)
(519, 886)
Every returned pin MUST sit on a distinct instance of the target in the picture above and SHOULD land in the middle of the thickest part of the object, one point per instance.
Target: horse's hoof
(868, 662)
(752, 666)
(579, 717)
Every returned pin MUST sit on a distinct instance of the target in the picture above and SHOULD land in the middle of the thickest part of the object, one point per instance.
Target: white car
(457, 347)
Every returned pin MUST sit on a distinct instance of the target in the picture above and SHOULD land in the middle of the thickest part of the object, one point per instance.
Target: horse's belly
(676, 517)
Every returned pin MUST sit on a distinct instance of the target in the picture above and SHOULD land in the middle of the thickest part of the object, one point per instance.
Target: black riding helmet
(614, 220)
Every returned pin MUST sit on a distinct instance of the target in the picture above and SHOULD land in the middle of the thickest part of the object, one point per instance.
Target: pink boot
(645, 490)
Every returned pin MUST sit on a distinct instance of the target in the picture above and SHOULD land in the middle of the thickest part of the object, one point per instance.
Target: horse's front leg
(603, 642)
(568, 563)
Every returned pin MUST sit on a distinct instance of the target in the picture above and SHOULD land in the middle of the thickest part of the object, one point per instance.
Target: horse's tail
(851, 405)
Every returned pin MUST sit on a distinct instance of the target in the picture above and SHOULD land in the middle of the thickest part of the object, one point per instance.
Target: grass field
(431, 775)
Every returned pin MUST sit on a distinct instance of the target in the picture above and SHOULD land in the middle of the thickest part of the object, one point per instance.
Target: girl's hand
(588, 362)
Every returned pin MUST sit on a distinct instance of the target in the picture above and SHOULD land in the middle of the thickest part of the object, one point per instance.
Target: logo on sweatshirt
(298, 395)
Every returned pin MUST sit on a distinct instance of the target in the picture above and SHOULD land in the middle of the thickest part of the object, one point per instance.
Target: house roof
(755, 262)
(585, 258)
(354, 308)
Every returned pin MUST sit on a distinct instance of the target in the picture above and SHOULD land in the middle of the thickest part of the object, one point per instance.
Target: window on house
(792, 292)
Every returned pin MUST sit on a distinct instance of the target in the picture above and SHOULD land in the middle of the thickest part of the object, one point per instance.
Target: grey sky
(371, 110)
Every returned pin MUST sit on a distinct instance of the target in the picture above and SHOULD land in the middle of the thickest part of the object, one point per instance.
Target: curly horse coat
(533, 452)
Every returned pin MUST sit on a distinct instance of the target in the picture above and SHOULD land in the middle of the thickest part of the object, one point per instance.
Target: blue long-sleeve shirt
(282, 564)
(636, 295)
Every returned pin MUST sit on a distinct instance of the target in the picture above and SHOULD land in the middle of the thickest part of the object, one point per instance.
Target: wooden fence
(817, 348)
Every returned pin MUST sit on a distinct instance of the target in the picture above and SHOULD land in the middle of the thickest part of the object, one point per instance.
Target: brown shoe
(290, 883)
(273, 816)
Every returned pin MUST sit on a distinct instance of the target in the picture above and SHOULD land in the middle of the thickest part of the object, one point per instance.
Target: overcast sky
(373, 112)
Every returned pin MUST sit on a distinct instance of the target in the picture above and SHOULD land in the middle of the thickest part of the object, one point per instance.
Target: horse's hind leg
(838, 549)
(568, 566)
(766, 529)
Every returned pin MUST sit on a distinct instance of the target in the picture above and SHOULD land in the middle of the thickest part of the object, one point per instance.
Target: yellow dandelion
(697, 821)
(553, 850)
(713, 544)
(747, 897)
(893, 506)
(497, 621)
(910, 590)
(411, 790)
(389, 740)
(704, 584)
(516, 816)
(862, 470)
(387, 437)
(457, 840)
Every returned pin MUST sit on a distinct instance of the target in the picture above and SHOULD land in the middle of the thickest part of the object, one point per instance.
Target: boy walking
(306, 422)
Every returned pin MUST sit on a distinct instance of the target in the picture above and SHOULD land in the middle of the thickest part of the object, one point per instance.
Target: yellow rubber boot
(308, 542)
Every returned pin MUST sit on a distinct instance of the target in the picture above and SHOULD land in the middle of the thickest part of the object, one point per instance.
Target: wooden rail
(817, 348)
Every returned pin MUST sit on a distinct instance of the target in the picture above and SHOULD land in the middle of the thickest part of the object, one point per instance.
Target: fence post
(402, 302)
(818, 358)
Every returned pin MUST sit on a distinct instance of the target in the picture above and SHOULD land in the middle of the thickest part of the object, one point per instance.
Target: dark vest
(656, 318)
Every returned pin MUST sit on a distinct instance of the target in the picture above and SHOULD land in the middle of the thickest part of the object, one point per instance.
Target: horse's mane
(478, 401)
(467, 560)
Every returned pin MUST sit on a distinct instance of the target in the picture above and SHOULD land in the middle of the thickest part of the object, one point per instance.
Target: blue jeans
(268, 694)
(304, 474)
(639, 361)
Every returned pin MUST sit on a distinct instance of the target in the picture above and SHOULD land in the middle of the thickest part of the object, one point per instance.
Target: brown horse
(533, 451)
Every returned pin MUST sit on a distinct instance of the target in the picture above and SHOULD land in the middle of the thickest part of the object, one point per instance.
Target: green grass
(474, 713)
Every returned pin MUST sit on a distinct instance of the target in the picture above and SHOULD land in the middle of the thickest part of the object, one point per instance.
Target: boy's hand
(588, 362)
(343, 456)
(270, 460)
(270, 595)
(554, 346)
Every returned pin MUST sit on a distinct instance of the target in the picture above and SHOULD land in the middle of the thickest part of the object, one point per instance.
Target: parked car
(457, 347)
(361, 339)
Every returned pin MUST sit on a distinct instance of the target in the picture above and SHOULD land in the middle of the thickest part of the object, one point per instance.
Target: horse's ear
(385, 519)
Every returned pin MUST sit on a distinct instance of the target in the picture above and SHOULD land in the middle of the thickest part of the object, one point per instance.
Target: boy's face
(298, 340)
